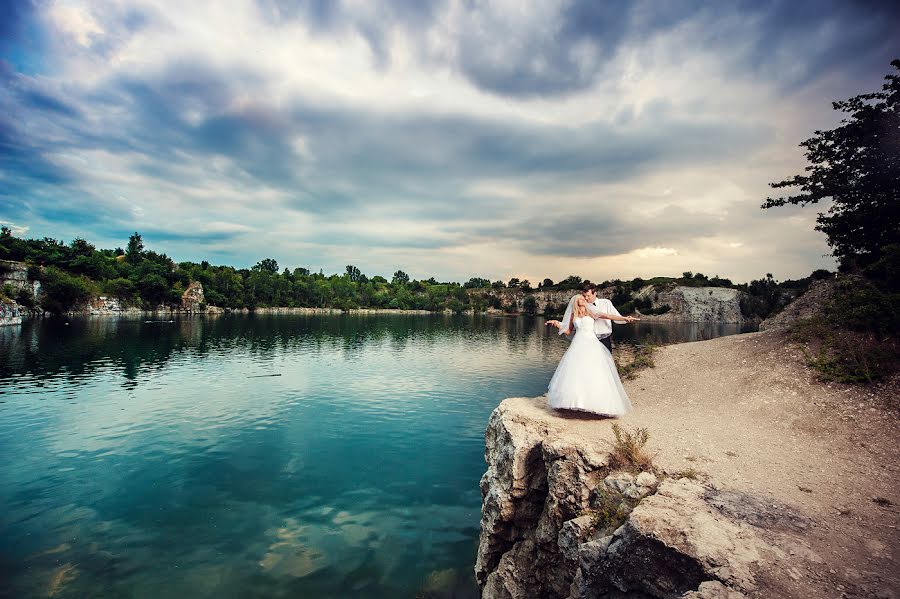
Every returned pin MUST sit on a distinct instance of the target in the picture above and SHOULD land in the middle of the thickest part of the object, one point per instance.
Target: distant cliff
(14, 283)
(680, 303)
(14, 278)
(694, 304)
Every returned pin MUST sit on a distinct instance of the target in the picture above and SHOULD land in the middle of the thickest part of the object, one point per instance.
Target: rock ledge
(557, 522)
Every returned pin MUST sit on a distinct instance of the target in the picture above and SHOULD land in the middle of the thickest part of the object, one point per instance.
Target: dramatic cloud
(452, 139)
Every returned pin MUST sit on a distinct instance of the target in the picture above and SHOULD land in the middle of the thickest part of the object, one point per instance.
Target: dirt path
(747, 411)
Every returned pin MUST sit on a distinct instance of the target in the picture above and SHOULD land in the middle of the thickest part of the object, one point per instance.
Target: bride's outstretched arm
(558, 325)
(596, 314)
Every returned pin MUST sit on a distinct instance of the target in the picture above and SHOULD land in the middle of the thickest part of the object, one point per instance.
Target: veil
(567, 317)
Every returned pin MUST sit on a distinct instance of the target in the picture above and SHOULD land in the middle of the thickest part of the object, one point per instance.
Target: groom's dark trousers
(607, 341)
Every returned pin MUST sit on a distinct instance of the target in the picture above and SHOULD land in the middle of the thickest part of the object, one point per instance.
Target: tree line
(72, 273)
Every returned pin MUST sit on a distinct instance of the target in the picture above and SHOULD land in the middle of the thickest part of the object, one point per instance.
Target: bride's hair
(580, 308)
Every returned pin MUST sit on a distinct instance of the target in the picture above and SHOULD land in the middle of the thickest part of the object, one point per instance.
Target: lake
(258, 456)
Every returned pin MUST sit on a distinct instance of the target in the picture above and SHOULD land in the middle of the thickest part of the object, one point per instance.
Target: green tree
(61, 291)
(529, 304)
(477, 283)
(400, 277)
(268, 265)
(135, 248)
(354, 273)
(570, 282)
(857, 167)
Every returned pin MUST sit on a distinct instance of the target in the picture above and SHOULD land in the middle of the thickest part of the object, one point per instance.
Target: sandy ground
(746, 410)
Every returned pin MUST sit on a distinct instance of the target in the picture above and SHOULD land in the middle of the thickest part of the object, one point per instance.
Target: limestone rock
(548, 496)
(695, 304)
(10, 314)
(713, 589)
(192, 298)
(646, 479)
(15, 274)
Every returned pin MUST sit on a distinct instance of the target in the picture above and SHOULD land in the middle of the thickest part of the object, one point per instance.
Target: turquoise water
(281, 456)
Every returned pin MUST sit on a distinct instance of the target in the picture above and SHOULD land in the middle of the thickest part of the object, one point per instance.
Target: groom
(602, 326)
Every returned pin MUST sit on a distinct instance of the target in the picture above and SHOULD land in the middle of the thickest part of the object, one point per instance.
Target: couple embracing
(586, 378)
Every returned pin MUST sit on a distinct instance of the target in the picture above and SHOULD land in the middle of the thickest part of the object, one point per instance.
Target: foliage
(135, 248)
(477, 283)
(628, 451)
(25, 297)
(854, 338)
(857, 167)
(400, 278)
(764, 297)
(142, 277)
(609, 512)
(62, 291)
(529, 304)
(639, 357)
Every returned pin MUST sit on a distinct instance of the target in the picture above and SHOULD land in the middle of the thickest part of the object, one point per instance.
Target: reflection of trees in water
(79, 346)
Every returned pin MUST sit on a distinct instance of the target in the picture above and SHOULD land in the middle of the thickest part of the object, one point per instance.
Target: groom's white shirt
(602, 326)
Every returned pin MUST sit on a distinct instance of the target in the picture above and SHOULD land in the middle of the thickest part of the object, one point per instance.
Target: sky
(450, 139)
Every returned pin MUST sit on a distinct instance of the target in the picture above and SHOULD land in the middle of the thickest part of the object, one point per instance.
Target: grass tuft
(610, 512)
(631, 359)
(688, 473)
(628, 451)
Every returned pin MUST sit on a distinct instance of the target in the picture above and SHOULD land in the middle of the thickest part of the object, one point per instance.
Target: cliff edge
(766, 483)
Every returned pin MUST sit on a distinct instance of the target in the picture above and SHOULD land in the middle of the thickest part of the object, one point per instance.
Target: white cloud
(76, 21)
(387, 143)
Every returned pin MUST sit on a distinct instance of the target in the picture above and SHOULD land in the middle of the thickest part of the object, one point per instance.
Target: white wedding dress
(586, 378)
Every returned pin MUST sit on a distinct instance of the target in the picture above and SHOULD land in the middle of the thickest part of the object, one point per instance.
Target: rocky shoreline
(559, 522)
(765, 483)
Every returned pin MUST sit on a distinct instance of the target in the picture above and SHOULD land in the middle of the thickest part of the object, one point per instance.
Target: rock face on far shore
(15, 275)
(695, 304)
(558, 522)
(193, 300)
(10, 314)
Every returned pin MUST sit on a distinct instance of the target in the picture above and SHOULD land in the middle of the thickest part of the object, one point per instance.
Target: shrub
(628, 451)
(120, 288)
(854, 339)
(639, 357)
(529, 305)
(845, 356)
(62, 291)
(25, 298)
(610, 512)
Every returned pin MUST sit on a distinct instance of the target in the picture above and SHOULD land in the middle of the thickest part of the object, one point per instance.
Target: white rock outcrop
(15, 275)
(695, 304)
(558, 522)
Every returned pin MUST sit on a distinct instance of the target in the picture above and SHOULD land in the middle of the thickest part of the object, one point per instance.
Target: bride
(586, 378)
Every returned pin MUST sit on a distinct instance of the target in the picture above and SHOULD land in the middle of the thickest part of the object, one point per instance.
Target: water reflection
(160, 459)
